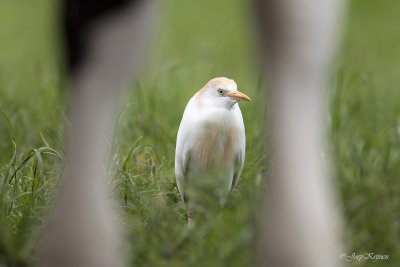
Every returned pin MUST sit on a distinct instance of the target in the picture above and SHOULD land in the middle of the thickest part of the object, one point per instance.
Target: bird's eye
(220, 91)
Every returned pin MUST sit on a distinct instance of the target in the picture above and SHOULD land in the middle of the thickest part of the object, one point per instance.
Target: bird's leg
(189, 215)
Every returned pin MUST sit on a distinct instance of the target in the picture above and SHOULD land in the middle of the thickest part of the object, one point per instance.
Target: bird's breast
(214, 144)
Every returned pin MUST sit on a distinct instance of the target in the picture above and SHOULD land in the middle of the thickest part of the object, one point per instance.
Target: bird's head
(220, 92)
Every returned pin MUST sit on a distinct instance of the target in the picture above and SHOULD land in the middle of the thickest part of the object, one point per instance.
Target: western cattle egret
(210, 146)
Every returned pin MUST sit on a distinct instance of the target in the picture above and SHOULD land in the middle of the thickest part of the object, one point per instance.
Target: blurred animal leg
(83, 230)
(301, 222)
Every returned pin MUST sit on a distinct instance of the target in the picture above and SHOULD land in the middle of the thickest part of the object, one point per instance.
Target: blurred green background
(195, 42)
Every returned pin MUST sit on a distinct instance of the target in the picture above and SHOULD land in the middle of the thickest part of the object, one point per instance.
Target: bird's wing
(183, 148)
(181, 173)
(240, 149)
(238, 166)
(181, 163)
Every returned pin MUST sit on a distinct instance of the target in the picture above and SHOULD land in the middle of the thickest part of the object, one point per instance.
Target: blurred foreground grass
(197, 41)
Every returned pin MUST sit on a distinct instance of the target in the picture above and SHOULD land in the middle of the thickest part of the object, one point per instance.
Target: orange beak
(238, 96)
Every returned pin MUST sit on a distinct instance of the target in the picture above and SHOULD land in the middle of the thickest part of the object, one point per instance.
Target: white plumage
(210, 146)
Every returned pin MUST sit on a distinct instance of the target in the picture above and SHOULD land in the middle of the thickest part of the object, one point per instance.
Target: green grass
(195, 42)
